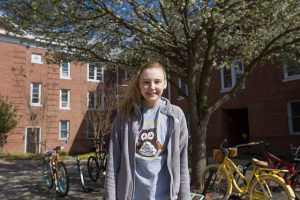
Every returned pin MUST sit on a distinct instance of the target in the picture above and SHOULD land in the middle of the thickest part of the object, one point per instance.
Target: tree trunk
(199, 159)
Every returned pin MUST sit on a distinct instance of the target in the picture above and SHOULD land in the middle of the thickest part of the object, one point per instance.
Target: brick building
(266, 108)
(51, 99)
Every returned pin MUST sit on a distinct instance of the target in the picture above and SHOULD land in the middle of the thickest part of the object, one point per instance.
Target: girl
(148, 146)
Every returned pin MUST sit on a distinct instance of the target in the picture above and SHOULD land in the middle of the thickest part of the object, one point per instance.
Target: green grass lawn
(11, 156)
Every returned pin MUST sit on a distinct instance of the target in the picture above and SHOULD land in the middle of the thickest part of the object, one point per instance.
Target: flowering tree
(190, 37)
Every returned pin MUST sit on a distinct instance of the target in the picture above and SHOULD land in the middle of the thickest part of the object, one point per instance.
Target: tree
(7, 119)
(190, 37)
(100, 111)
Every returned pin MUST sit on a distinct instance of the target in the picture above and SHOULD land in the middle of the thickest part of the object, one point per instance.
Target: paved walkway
(23, 180)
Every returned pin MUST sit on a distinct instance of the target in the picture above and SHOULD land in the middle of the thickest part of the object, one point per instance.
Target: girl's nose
(152, 85)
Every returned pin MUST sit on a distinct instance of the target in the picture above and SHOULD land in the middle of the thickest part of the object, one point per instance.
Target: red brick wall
(265, 96)
(17, 72)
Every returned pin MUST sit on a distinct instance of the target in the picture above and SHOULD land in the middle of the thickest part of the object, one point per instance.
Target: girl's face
(152, 83)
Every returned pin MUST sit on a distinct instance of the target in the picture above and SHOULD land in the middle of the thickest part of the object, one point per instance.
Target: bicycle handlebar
(241, 145)
(56, 149)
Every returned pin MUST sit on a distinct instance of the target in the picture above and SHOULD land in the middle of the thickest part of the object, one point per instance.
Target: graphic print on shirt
(147, 144)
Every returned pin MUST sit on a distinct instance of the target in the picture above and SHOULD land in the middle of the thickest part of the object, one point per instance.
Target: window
(90, 131)
(183, 86)
(294, 117)
(291, 68)
(230, 76)
(35, 94)
(64, 129)
(95, 100)
(65, 72)
(95, 73)
(92, 100)
(64, 99)
(36, 58)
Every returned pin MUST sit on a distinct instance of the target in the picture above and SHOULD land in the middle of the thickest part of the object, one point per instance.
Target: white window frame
(288, 77)
(68, 107)
(61, 70)
(290, 117)
(39, 103)
(232, 75)
(180, 81)
(36, 58)
(94, 79)
(68, 130)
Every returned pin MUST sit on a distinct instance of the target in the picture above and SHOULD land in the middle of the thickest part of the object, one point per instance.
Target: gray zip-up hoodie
(120, 173)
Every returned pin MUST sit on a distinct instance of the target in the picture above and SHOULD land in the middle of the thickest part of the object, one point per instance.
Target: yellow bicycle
(224, 178)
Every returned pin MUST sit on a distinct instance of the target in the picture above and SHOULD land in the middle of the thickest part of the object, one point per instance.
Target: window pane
(296, 124)
(99, 73)
(64, 129)
(292, 67)
(91, 100)
(91, 72)
(295, 111)
(90, 131)
(238, 69)
(36, 58)
(65, 69)
(64, 98)
(35, 93)
(295, 108)
(183, 86)
(227, 78)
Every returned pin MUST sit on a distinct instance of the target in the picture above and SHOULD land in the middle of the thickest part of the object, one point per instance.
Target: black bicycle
(55, 171)
(97, 163)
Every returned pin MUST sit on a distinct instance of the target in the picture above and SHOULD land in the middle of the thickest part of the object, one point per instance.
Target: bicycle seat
(259, 163)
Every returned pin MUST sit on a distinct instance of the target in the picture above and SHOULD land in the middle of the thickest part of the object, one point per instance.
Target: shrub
(7, 120)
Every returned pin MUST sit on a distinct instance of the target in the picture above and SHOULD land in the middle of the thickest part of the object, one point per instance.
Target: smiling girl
(148, 146)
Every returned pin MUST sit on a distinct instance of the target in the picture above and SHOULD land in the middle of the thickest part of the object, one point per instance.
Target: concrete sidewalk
(23, 180)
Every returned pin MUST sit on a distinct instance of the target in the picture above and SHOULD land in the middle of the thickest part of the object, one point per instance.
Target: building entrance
(33, 135)
(238, 126)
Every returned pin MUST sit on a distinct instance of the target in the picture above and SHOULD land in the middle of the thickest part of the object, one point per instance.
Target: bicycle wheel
(270, 187)
(80, 173)
(93, 168)
(47, 174)
(215, 183)
(62, 179)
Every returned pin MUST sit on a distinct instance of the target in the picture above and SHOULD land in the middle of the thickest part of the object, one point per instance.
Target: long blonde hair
(132, 93)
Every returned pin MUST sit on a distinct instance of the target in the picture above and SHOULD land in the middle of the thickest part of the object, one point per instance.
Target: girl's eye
(144, 136)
